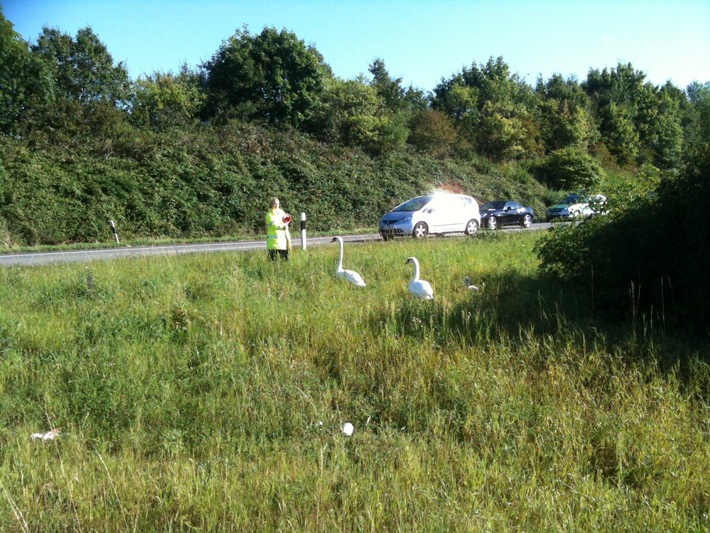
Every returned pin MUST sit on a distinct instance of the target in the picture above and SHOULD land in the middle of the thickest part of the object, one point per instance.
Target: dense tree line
(68, 109)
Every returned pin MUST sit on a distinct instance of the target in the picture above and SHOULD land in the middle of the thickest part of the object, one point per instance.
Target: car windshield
(493, 205)
(572, 199)
(415, 204)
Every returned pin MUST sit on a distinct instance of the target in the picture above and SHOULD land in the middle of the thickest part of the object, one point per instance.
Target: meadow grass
(208, 392)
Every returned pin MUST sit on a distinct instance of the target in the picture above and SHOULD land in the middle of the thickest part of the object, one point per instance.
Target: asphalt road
(44, 258)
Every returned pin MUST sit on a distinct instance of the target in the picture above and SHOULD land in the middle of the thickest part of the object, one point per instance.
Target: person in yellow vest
(278, 237)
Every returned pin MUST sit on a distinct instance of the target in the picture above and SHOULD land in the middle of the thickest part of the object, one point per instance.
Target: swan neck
(416, 270)
(340, 261)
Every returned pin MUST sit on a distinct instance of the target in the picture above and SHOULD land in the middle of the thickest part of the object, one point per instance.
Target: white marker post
(303, 231)
(115, 232)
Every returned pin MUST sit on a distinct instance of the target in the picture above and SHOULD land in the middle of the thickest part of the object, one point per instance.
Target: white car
(576, 206)
(432, 214)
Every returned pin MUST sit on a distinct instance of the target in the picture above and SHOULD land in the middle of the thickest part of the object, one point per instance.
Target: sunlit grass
(208, 391)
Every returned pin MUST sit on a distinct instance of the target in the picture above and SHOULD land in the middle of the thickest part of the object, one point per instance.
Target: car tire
(527, 221)
(492, 223)
(420, 230)
(471, 227)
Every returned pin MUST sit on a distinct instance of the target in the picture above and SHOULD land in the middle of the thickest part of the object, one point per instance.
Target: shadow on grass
(514, 308)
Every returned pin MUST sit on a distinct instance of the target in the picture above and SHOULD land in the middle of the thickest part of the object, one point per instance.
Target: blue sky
(421, 41)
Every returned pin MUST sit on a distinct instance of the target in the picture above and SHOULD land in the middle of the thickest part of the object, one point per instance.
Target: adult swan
(349, 275)
(419, 287)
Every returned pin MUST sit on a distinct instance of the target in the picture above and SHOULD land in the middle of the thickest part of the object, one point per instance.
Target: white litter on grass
(348, 429)
(50, 435)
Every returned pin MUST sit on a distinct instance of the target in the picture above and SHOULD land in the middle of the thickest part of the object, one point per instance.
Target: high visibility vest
(276, 231)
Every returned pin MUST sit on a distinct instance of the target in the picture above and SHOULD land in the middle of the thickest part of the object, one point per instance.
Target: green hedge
(216, 182)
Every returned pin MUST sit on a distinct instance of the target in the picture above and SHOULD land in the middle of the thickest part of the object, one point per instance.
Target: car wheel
(420, 230)
(471, 227)
(492, 223)
(527, 221)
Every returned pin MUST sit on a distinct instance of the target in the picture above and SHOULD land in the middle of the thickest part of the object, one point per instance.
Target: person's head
(274, 203)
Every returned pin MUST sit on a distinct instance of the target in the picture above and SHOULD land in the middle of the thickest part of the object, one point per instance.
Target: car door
(445, 214)
(435, 214)
(511, 213)
(457, 215)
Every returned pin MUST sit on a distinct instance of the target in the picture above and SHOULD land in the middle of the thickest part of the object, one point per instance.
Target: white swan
(419, 287)
(467, 284)
(349, 275)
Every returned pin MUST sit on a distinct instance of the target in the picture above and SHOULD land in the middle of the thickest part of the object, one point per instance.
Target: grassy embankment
(207, 392)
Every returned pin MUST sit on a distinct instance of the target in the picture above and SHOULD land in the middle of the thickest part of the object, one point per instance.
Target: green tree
(25, 85)
(636, 265)
(565, 114)
(89, 93)
(696, 123)
(639, 123)
(162, 101)
(389, 90)
(570, 169)
(493, 109)
(353, 114)
(433, 132)
(273, 77)
(82, 68)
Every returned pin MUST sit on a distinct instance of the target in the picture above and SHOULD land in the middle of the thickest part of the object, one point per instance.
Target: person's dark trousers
(282, 253)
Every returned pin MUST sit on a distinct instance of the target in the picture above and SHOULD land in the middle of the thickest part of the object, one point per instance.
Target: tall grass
(208, 391)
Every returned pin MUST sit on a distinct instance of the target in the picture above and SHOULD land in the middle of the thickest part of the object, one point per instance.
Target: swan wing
(353, 277)
(421, 289)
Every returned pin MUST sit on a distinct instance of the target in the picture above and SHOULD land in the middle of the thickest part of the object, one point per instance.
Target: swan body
(50, 435)
(467, 284)
(349, 275)
(419, 287)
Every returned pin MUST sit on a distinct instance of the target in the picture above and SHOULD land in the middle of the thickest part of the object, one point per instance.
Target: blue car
(506, 213)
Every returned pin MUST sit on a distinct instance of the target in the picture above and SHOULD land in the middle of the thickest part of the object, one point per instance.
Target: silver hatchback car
(432, 214)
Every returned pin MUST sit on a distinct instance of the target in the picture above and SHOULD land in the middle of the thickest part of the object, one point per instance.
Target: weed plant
(208, 392)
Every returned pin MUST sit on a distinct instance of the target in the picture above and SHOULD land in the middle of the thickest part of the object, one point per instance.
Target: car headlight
(407, 218)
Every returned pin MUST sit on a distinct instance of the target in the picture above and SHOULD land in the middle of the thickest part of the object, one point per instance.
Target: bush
(637, 264)
(570, 169)
(215, 182)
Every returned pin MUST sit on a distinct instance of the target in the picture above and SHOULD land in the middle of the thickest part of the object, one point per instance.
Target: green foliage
(570, 169)
(647, 258)
(163, 101)
(82, 67)
(432, 132)
(211, 182)
(273, 77)
(25, 85)
(566, 117)
(639, 123)
(207, 392)
(697, 131)
(492, 108)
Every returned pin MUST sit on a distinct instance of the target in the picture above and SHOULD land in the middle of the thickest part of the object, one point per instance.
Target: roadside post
(303, 231)
(115, 232)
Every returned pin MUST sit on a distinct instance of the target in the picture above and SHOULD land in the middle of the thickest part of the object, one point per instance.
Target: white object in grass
(50, 435)
(349, 275)
(467, 283)
(348, 429)
(419, 287)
